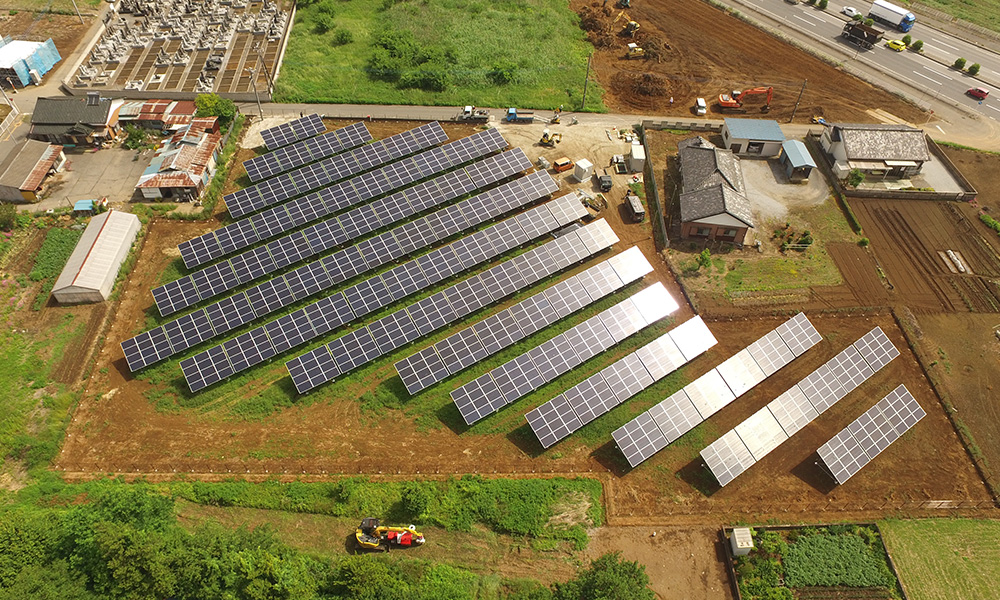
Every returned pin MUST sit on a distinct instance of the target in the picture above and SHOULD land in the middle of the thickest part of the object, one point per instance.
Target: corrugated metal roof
(93, 260)
(797, 153)
(761, 130)
(34, 179)
(182, 162)
(83, 205)
(23, 161)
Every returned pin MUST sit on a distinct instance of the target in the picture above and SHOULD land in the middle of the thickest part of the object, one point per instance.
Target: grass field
(64, 7)
(985, 13)
(945, 559)
(528, 53)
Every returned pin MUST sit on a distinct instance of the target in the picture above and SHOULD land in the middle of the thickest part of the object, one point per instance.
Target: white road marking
(927, 78)
(939, 128)
(947, 46)
(936, 73)
(809, 23)
(992, 107)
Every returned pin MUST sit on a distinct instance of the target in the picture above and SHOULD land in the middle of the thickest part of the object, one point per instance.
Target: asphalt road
(930, 72)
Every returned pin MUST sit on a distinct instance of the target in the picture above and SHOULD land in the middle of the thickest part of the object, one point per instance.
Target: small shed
(25, 168)
(584, 170)
(83, 208)
(637, 158)
(23, 62)
(91, 270)
(796, 160)
(741, 541)
(759, 137)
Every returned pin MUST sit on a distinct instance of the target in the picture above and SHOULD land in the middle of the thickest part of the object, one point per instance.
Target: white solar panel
(770, 353)
(760, 433)
(792, 410)
(675, 416)
(654, 302)
(630, 264)
(727, 457)
(741, 372)
(709, 393)
(692, 338)
(661, 357)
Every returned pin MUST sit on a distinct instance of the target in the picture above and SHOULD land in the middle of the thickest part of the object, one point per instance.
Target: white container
(637, 158)
(584, 170)
(741, 541)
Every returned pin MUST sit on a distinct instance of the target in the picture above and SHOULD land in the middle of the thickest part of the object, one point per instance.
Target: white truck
(890, 14)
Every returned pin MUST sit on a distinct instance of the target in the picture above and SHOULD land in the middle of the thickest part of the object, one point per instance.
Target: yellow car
(896, 45)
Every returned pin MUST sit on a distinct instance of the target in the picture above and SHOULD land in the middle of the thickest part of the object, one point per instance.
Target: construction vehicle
(862, 35)
(624, 4)
(550, 139)
(371, 535)
(562, 164)
(473, 114)
(630, 26)
(635, 51)
(734, 102)
(524, 116)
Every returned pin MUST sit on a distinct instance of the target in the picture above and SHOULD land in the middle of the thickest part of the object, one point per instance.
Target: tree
(324, 22)
(974, 69)
(855, 178)
(917, 46)
(211, 105)
(705, 258)
(608, 578)
(857, 17)
(51, 582)
(869, 22)
(959, 63)
(907, 39)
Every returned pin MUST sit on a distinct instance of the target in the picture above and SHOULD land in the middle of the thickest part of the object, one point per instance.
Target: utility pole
(586, 81)
(802, 91)
(253, 81)
(78, 12)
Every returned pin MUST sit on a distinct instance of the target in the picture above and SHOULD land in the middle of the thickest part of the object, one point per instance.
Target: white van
(700, 107)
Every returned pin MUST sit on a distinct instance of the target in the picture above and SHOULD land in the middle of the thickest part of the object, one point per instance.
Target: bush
(991, 223)
(324, 23)
(974, 69)
(855, 178)
(959, 63)
(343, 37)
(852, 219)
(211, 105)
(835, 560)
(907, 39)
(8, 216)
(863, 242)
(822, 4)
(869, 22)
(917, 46)
(857, 17)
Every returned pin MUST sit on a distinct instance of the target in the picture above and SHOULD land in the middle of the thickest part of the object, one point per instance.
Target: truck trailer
(858, 33)
(520, 116)
(890, 14)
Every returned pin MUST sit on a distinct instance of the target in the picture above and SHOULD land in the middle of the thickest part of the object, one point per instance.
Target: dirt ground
(65, 30)
(710, 53)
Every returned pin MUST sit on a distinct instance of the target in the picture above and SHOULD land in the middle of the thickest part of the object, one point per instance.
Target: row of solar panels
(367, 296)
(329, 170)
(326, 235)
(741, 447)
(661, 425)
(493, 334)
(306, 151)
(345, 194)
(597, 395)
(531, 370)
(407, 324)
(191, 329)
(287, 133)
(867, 436)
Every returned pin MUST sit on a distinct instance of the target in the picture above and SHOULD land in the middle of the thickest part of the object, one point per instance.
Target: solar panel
(627, 377)
(498, 331)
(760, 433)
(740, 372)
(660, 357)
(417, 369)
(622, 320)
(675, 416)
(792, 410)
(251, 348)
(692, 338)
(554, 357)
(206, 368)
(468, 296)
(822, 388)
(639, 439)
(293, 131)
(367, 296)
(709, 393)
(876, 348)
(146, 348)
(431, 313)
(553, 421)
(598, 238)
(176, 295)
(770, 353)
(798, 334)
(600, 280)
(517, 377)
(653, 303)
(478, 398)
(230, 313)
(312, 369)
(590, 338)
(394, 331)
(850, 368)
(354, 349)
(460, 350)
(306, 151)
(534, 313)
(188, 331)
(537, 221)
(727, 457)
(567, 296)
(289, 330)
(591, 398)
(630, 265)
(871, 433)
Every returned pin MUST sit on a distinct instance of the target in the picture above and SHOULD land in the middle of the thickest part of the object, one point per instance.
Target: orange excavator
(734, 102)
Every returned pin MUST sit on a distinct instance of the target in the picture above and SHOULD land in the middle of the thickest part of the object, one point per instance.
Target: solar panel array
(338, 267)
(765, 430)
(306, 151)
(681, 412)
(332, 169)
(419, 319)
(593, 397)
(499, 331)
(544, 363)
(867, 436)
(325, 235)
(277, 220)
(293, 131)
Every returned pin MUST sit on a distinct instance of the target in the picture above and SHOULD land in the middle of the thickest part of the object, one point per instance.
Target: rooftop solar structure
(293, 131)
(871, 433)
(334, 168)
(306, 151)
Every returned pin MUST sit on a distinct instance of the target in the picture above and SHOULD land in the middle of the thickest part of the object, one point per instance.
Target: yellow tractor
(371, 535)
(635, 51)
(550, 139)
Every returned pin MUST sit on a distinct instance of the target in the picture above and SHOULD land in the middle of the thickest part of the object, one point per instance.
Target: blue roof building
(759, 137)
(796, 159)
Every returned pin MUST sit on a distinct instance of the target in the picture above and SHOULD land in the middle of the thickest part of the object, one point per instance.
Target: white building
(91, 270)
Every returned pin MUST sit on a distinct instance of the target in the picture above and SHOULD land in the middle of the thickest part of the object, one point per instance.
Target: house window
(729, 233)
(703, 231)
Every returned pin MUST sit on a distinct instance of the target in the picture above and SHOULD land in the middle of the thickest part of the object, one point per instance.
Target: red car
(978, 93)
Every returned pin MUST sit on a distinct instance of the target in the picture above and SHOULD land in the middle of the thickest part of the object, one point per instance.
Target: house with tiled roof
(25, 168)
(75, 120)
(184, 165)
(879, 151)
(713, 201)
(163, 115)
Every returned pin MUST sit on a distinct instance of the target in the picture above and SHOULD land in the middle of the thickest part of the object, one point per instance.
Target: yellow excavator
(630, 26)
(372, 535)
(550, 139)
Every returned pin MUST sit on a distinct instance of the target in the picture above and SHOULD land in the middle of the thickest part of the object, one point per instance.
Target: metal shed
(796, 160)
(759, 137)
(91, 270)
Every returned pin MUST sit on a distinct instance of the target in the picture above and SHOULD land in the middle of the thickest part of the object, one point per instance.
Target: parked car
(700, 107)
(978, 93)
(850, 11)
(896, 45)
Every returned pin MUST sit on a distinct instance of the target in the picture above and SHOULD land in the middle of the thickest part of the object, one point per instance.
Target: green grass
(781, 273)
(50, 260)
(62, 7)
(527, 53)
(945, 559)
(985, 13)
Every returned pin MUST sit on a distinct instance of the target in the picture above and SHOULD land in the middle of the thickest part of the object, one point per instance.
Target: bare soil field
(65, 30)
(711, 52)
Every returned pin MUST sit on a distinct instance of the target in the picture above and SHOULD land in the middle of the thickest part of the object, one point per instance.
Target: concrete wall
(692, 125)
(690, 231)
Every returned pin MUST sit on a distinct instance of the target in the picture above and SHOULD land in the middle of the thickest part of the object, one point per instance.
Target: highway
(930, 73)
